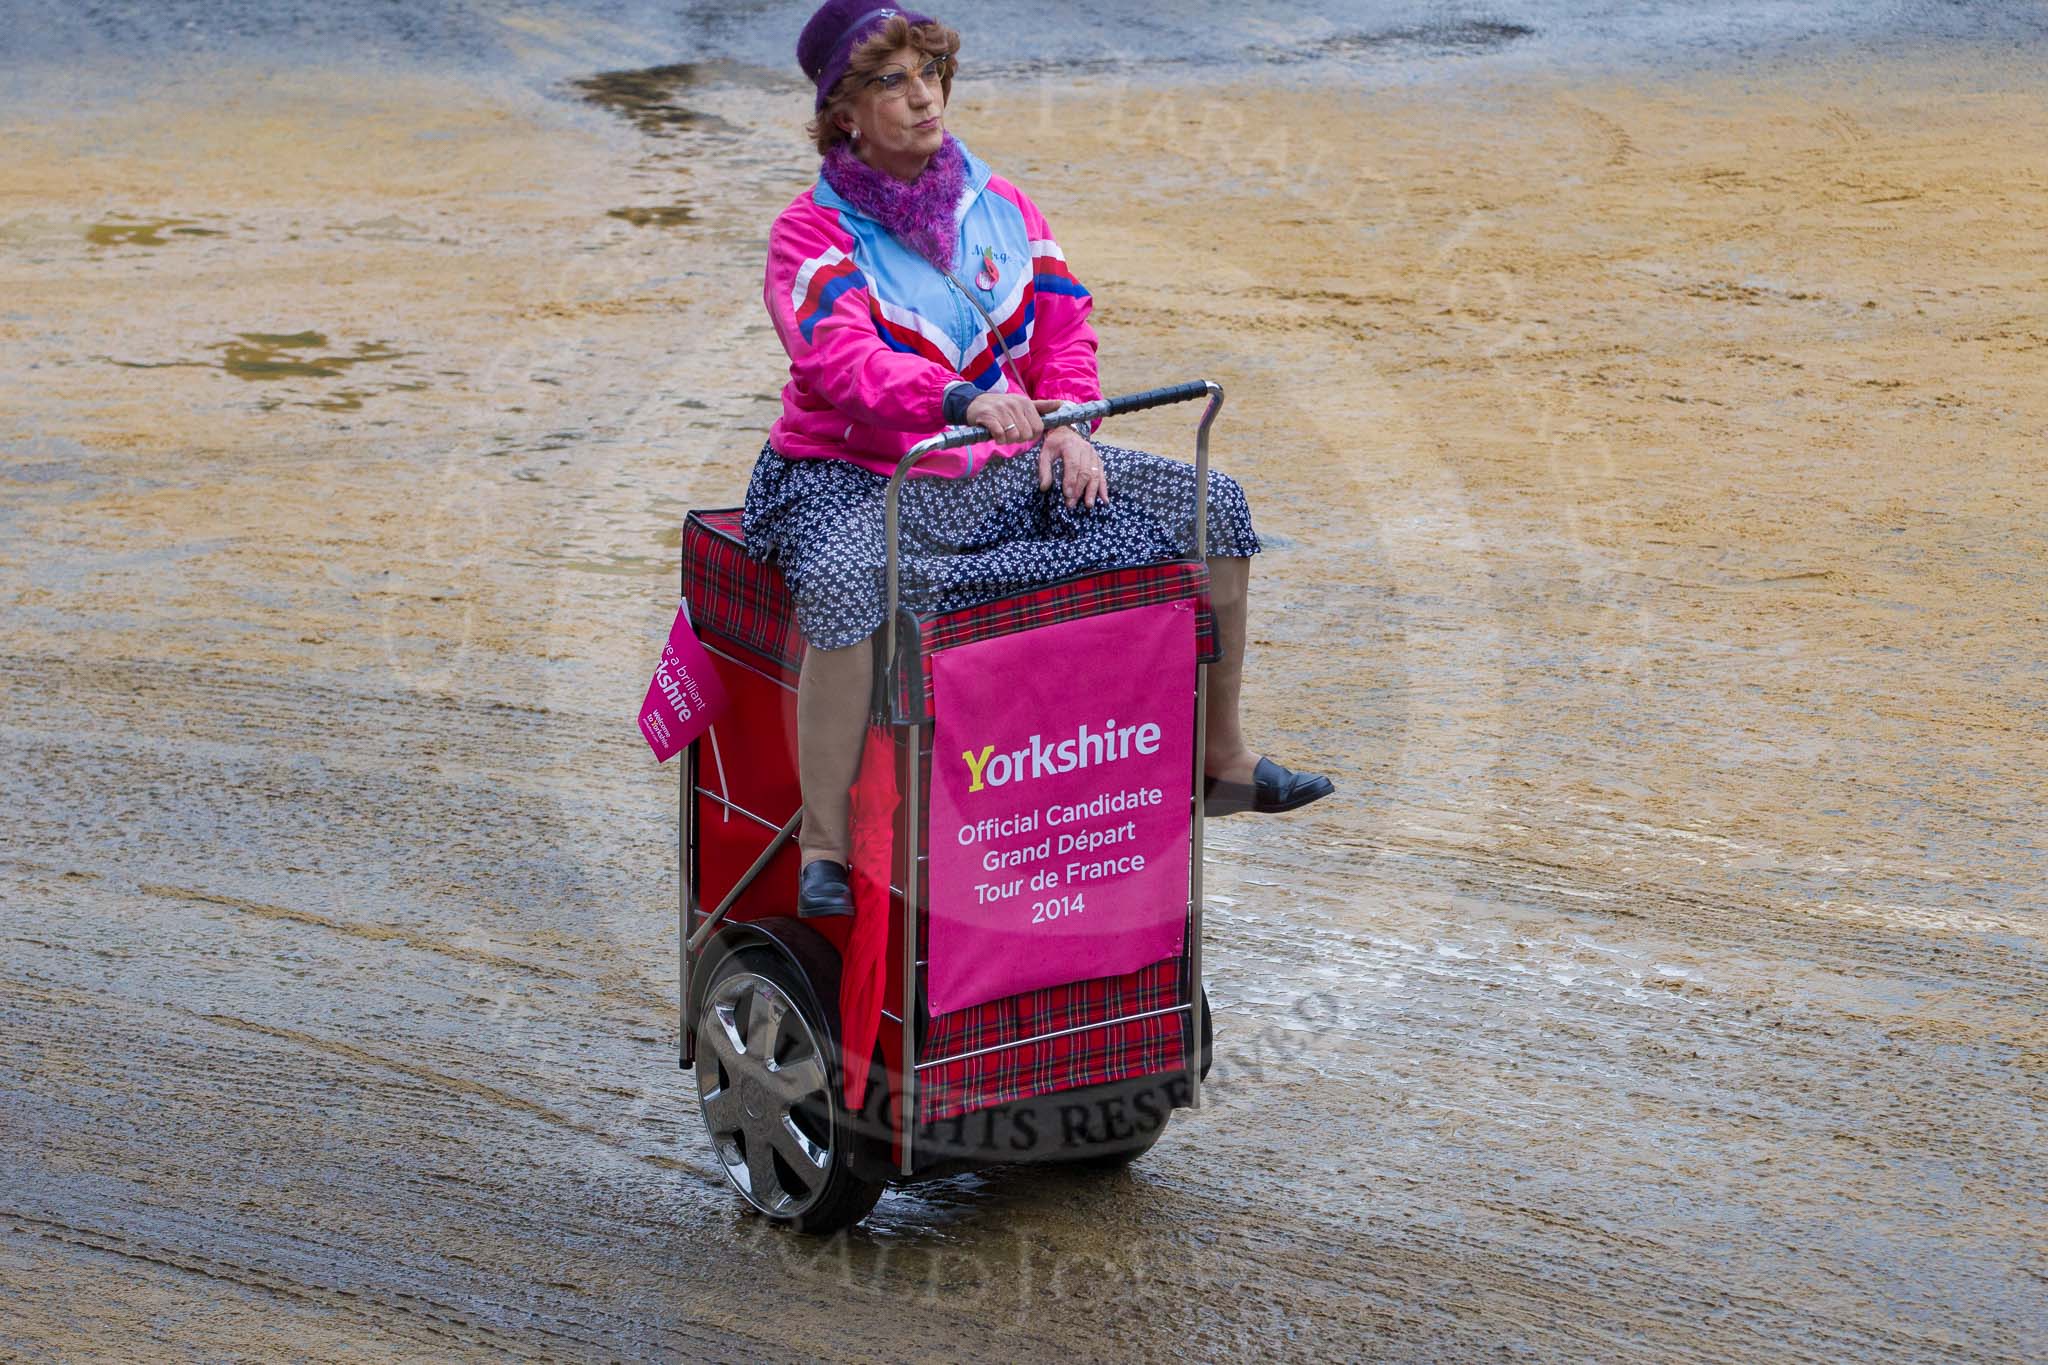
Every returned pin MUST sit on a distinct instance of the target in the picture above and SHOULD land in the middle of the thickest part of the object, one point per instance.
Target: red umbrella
(863, 974)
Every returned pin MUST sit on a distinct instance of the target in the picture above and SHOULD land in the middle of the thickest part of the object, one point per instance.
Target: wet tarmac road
(1659, 578)
(538, 42)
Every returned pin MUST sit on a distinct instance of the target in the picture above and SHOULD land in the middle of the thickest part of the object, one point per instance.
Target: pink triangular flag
(685, 695)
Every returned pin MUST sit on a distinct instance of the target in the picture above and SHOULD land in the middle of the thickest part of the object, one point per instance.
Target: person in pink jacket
(914, 288)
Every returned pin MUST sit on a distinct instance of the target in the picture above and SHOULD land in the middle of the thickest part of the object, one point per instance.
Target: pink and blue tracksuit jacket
(876, 334)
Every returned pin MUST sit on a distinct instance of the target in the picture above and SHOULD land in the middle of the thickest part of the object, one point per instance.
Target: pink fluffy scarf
(920, 212)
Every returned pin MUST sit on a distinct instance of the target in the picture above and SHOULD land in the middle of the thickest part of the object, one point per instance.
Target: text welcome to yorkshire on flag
(684, 696)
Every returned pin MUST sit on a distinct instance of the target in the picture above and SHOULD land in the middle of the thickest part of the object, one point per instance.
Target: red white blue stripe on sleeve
(1049, 270)
(819, 283)
(904, 329)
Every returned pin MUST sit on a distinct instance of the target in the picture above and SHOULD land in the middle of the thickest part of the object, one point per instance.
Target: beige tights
(831, 725)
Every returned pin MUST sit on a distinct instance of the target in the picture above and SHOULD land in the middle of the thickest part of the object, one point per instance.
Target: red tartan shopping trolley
(1081, 1069)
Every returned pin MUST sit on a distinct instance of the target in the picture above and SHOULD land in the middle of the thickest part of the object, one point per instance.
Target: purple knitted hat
(827, 42)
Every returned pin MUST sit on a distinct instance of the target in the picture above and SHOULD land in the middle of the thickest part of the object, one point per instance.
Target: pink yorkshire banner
(1062, 763)
(685, 696)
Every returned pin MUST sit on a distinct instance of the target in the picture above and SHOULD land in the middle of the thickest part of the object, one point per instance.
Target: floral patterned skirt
(972, 539)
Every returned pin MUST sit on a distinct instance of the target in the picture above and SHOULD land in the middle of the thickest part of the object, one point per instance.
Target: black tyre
(1116, 1158)
(768, 1088)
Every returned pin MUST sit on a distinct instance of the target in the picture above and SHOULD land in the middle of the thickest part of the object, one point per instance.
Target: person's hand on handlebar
(1082, 477)
(1014, 418)
(1010, 416)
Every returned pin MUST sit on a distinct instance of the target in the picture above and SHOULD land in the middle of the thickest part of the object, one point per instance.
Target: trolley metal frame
(694, 929)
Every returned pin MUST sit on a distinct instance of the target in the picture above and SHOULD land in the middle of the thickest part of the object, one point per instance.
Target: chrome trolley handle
(952, 437)
(972, 435)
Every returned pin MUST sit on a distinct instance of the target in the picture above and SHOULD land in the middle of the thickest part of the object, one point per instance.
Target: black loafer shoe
(1273, 789)
(822, 889)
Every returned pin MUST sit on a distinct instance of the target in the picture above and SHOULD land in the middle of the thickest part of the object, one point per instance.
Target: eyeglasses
(894, 82)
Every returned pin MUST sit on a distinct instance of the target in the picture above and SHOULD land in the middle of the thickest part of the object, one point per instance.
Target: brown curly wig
(933, 40)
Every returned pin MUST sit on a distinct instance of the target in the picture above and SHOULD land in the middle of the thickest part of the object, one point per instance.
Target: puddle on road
(649, 97)
(146, 231)
(1455, 36)
(267, 356)
(271, 355)
(654, 215)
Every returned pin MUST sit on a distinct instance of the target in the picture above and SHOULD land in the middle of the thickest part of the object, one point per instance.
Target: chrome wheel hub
(762, 1085)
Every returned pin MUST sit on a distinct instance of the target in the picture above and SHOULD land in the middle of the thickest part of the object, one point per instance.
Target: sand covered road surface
(1653, 481)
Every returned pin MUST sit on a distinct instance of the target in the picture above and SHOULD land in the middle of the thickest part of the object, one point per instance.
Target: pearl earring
(854, 134)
